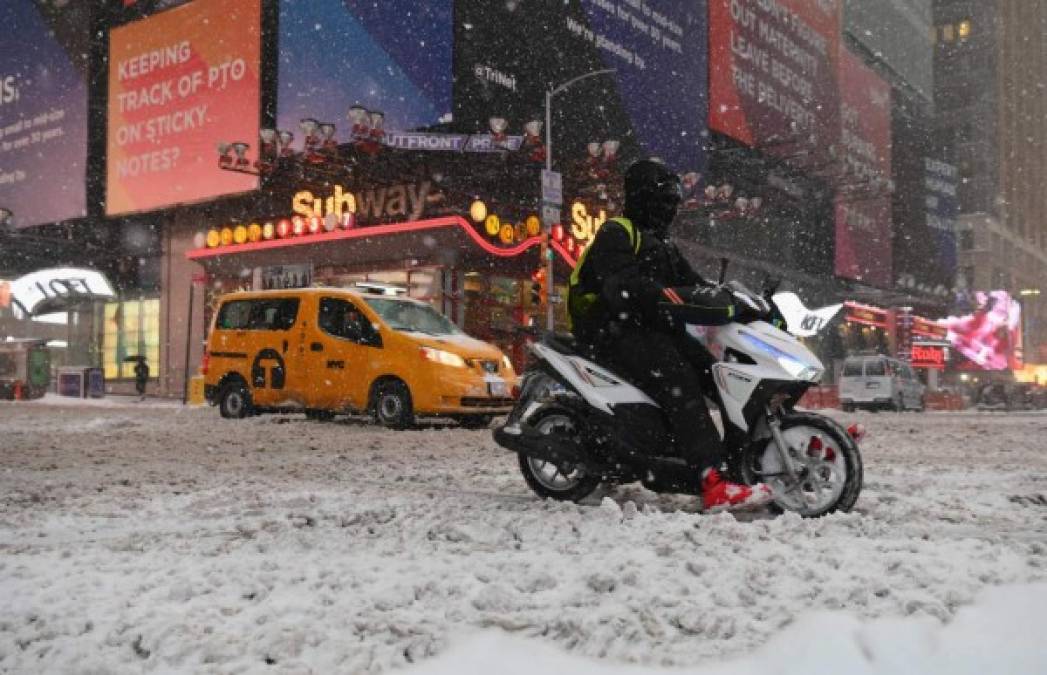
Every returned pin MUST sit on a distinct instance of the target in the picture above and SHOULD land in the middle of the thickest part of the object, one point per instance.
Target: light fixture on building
(298, 226)
(268, 230)
(478, 211)
(1027, 292)
(286, 138)
(532, 141)
(225, 157)
(498, 127)
(268, 149)
(240, 149)
(327, 134)
(227, 236)
(359, 122)
(254, 233)
(284, 228)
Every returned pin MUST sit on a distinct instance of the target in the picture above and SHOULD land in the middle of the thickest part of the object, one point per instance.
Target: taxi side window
(234, 315)
(269, 314)
(342, 319)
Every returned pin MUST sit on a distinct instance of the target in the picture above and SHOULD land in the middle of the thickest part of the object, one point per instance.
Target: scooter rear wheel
(557, 481)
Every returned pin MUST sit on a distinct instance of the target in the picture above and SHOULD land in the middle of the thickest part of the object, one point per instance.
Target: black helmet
(652, 195)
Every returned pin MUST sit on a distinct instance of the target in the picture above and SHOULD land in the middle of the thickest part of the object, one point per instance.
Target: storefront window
(131, 328)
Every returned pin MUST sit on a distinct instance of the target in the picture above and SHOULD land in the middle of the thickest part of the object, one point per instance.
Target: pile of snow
(147, 539)
(1002, 632)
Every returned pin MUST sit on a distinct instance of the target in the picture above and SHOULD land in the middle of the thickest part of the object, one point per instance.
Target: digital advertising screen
(393, 57)
(654, 100)
(990, 337)
(43, 111)
(180, 82)
(863, 207)
(775, 78)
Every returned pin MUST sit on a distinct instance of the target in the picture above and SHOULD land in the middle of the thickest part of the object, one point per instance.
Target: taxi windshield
(412, 317)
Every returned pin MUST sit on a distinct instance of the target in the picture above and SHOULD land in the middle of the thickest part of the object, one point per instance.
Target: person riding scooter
(625, 301)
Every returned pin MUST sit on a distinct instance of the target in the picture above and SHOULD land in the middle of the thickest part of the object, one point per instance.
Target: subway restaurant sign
(404, 201)
(585, 223)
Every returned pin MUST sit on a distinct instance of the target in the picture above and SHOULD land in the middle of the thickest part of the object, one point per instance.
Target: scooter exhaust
(526, 440)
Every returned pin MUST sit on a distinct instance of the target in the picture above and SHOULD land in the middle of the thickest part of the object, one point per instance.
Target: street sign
(550, 214)
(552, 187)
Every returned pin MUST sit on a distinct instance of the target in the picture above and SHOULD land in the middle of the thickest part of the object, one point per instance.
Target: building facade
(992, 121)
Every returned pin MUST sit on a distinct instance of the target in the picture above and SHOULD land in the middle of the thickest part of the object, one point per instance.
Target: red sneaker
(721, 495)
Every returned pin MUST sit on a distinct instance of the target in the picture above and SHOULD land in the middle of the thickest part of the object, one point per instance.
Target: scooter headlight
(789, 363)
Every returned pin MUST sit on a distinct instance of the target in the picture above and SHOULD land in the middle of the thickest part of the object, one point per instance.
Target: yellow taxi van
(333, 350)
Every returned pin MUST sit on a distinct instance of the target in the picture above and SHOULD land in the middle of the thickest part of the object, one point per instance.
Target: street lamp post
(549, 167)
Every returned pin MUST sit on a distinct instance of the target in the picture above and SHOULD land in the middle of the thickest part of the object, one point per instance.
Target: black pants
(662, 369)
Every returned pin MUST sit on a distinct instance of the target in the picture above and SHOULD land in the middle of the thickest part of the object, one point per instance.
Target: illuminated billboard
(990, 337)
(43, 111)
(180, 82)
(653, 102)
(774, 75)
(392, 57)
(863, 205)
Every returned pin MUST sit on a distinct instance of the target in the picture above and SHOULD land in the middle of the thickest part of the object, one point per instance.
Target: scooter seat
(564, 343)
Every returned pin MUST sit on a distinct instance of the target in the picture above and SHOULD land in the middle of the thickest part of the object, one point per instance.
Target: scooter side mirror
(724, 262)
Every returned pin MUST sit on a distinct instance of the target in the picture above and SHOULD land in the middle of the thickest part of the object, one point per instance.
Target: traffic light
(538, 291)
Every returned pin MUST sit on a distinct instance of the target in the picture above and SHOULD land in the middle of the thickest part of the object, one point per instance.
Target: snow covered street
(152, 538)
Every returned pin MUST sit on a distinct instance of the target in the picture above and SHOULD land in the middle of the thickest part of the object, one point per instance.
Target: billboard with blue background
(43, 110)
(507, 54)
(394, 57)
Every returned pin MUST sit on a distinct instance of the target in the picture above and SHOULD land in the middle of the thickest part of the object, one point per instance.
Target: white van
(879, 382)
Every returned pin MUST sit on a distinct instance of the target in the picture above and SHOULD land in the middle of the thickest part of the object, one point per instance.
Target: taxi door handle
(285, 346)
(317, 347)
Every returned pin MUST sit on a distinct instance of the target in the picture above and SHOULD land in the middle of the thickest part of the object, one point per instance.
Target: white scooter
(577, 425)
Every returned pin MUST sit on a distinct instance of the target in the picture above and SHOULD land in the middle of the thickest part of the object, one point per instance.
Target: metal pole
(188, 345)
(549, 319)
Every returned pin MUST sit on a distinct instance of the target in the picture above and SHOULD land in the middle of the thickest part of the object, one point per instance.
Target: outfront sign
(56, 289)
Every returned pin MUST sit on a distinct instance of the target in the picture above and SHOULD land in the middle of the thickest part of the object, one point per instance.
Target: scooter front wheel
(825, 459)
(549, 480)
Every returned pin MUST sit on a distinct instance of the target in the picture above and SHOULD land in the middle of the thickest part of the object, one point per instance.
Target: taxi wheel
(234, 401)
(392, 405)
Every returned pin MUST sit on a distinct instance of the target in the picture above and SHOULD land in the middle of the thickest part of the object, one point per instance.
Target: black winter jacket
(632, 287)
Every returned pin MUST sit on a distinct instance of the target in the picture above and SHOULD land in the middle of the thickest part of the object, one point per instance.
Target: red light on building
(928, 356)
(298, 226)
(558, 232)
(865, 315)
(283, 228)
(315, 224)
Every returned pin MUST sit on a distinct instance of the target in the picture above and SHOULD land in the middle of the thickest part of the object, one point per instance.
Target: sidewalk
(110, 401)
